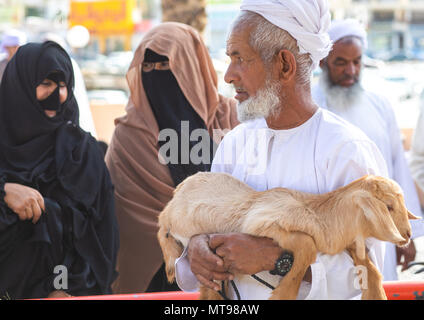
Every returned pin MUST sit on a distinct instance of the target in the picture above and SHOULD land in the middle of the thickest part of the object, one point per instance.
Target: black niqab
(171, 108)
(52, 102)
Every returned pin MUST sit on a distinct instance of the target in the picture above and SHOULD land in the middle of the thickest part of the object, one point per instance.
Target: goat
(301, 223)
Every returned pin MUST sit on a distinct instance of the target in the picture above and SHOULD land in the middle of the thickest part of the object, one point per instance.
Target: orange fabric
(143, 185)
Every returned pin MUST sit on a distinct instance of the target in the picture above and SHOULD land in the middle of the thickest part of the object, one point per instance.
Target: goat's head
(382, 202)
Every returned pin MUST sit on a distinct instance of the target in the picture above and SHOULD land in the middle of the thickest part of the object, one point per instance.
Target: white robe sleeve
(333, 276)
(417, 151)
(80, 92)
(416, 161)
(185, 279)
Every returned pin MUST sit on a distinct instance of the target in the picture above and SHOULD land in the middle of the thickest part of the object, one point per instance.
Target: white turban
(12, 38)
(305, 20)
(349, 27)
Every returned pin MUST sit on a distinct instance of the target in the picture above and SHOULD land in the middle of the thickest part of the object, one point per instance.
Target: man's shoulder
(377, 99)
(336, 130)
(331, 129)
(338, 140)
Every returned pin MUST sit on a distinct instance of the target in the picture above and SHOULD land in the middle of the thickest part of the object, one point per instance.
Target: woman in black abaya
(58, 231)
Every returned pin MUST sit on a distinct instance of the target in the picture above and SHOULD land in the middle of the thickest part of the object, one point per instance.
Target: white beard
(265, 103)
(338, 97)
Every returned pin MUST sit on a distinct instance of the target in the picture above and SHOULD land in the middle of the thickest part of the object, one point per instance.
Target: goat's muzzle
(407, 239)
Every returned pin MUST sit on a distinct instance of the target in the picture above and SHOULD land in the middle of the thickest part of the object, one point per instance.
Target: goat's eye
(390, 208)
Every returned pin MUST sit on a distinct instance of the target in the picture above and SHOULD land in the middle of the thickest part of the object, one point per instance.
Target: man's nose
(231, 75)
(350, 69)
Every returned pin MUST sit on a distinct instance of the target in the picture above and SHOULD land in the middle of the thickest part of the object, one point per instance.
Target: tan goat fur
(301, 223)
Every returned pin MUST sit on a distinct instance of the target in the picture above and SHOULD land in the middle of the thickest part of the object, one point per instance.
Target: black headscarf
(27, 134)
(57, 158)
(170, 108)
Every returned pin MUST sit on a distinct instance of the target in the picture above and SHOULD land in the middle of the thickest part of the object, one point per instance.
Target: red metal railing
(395, 290)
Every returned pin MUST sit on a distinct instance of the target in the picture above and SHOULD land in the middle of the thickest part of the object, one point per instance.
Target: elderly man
(10, 43)
(285, 140)
(340, 91)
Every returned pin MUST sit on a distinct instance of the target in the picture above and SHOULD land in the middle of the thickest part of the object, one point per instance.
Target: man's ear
(322, 63)
(287, 65)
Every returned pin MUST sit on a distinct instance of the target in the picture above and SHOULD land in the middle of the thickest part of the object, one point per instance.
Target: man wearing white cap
(340, 91)
(10, 43)
(285, 140)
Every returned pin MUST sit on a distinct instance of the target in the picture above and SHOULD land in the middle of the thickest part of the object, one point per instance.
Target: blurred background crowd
(102, 35)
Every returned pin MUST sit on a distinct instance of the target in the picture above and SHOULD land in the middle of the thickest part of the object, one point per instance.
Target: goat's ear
(377, 214)
(363, 200)
(412, 216)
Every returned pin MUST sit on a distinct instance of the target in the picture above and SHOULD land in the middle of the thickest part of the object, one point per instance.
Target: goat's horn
(412, 216)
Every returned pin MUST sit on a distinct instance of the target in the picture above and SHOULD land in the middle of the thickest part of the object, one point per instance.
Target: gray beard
(265, 103)
(338, 97)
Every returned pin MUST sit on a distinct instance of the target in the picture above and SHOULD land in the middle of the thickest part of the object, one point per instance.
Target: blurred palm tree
(191, 12)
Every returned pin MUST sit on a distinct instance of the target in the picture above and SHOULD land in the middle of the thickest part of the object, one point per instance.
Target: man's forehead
(238, 43)
(348, 43)
(347, 49)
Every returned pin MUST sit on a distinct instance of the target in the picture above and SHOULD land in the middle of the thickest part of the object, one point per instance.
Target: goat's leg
(171, 250)
(373, 289)
(209, 294)
(304, 251)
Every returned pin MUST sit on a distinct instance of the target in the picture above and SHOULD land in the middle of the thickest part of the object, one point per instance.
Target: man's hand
(407, 253)
(244, 253)
(26, 202)
(206, 265)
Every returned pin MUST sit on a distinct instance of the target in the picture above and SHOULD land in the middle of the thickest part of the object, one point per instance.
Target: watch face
(284, 263)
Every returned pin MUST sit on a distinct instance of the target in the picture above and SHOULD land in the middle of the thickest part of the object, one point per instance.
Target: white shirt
(417, 150)
(86, 121)
(3, 64)
(319, 156)
(375, 117)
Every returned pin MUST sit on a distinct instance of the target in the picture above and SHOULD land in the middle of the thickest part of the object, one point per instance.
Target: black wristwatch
(283, 264)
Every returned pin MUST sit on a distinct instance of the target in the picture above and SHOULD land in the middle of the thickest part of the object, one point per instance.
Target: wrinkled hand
(206, 265)
(244, 253)
(407, 253)
(26, 202)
